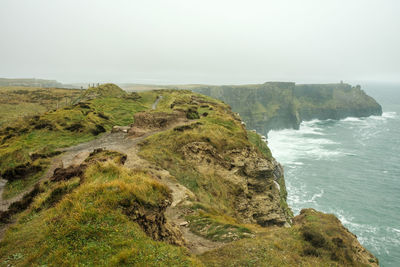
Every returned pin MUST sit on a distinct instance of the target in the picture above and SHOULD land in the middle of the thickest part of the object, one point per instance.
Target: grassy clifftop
(194, 188)
(278, 105)
(27, 143)
(18, 101)
(99, 218)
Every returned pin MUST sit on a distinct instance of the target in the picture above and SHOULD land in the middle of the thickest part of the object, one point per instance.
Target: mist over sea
(349, 168)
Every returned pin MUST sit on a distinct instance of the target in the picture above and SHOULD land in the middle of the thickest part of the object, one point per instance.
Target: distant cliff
(32, 82)
(280, 105)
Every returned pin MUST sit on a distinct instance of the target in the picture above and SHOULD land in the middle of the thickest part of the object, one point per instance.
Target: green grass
(11, 112)
(217, 228)
(18, 101)
(255, 139)
(13, 188)
(62, 128)
(87, 226)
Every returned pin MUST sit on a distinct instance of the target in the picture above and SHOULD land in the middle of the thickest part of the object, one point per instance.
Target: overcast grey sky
(204, 41)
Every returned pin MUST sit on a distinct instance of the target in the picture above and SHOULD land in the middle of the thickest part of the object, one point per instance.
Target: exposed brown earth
(146, 122)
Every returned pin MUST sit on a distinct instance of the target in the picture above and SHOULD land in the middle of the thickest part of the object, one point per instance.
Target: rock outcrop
(255, 181)
(326, 234)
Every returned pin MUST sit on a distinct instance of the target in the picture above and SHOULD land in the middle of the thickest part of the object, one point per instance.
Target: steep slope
(186, 186)
(262, 106)
(278, 105)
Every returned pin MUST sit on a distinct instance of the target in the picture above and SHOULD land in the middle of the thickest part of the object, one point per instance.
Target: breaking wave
(347, 167)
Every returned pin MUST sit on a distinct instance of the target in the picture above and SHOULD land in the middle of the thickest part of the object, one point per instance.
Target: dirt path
(175, 213)
(123, 143)
(154, 106)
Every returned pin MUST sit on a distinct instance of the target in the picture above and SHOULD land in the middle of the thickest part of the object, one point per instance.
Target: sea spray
(349, 168)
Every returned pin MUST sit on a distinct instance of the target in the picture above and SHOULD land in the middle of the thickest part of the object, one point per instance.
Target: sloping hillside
(184, 185)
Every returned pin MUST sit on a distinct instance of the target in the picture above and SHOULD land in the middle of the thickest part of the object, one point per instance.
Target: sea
(351, 168)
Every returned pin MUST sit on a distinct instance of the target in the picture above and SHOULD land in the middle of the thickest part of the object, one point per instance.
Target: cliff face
(277, 105)
(334, 101)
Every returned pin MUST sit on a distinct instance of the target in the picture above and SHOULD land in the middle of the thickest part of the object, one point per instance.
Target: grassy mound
(316, 239)
(86, 221)
(103, 90)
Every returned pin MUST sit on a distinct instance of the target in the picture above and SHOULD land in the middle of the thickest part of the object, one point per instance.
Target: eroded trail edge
(128, 144)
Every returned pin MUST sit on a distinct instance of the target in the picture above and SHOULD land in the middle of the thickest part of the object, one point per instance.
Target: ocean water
(350, 168)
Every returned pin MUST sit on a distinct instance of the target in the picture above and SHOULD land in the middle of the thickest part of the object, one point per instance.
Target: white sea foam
(316, 140)
(389, 114)
(371, 121)
(396, 230)
(299, 163)
(289, 145)
(314, 197)
(351, 119)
